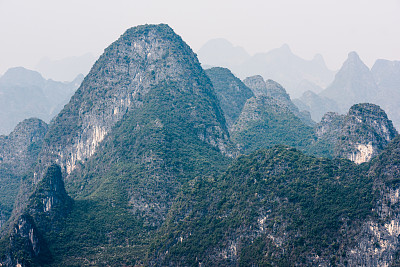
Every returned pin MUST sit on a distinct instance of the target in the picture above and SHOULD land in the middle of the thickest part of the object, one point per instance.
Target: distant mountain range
(356, 83)
(25, 94)
(279, 64)
(65, 69)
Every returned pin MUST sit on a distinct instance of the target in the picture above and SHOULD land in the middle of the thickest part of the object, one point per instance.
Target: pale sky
(31, 30)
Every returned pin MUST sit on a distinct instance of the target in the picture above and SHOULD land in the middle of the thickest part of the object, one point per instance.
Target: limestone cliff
(48, 206)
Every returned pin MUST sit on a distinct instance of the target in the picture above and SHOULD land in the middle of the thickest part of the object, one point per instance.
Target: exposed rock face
(144, 124)
(231, 92)
(50, 202)
(354, 83)
(257, 85)
(366, 132)
(26, 246)
(48, 206)
(278, 93)
(141, 58)
(360, 135)
(25, 94)
(378, 239)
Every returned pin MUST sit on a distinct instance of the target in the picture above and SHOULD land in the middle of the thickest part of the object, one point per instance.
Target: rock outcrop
(359, 136)
(48, 207)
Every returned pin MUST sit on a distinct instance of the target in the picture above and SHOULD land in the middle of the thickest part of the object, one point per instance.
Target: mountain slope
(359, 136)
(273, 89)
(265, 122)
(231, 92)
(18, 154)
(144, 123)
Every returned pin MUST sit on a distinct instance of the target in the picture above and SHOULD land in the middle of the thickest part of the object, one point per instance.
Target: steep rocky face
(359, 136)
(25, 94)
(278, 93)
(231, 92)
(264, 122)
(141, 58)
(18, 153)
(50, 202)
(48, 206)
(316, 105)
(144, 125)
(366, 132)
(377, 240)
(354, 83)
(25, 245)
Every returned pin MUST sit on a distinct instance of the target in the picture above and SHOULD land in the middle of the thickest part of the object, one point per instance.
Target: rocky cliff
(359, 136)
(144, 125)
(48, 206)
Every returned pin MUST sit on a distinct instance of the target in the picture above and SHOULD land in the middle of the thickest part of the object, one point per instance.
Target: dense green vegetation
(264, 123)
(124, 192)
(231, 92)
(302, 200)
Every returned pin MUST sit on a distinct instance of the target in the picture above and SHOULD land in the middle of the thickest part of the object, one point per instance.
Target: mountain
(221, 53)
(144, 125)
(386, 74)
(265, 122)
(48, 207)
(25, 93)
(18, 153)
(139, 169)
(354, 83)
(279, 64)
(231, 92)
(315, 104)
(65, 69)
(278, 93)
(358, 136)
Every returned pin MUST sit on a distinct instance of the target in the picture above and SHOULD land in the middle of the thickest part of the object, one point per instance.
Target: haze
(32, 30)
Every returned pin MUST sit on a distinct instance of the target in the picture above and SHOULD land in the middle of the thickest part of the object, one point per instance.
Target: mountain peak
(22, 76)
(285, 48)
(353, 56)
